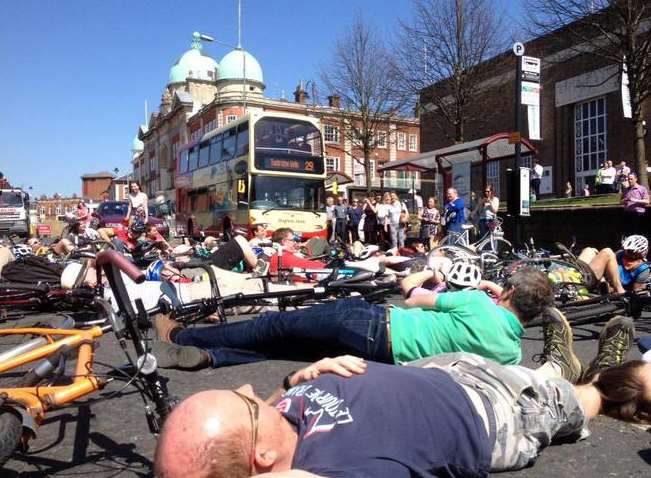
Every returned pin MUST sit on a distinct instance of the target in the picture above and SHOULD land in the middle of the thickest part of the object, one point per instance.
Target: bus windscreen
(283, 144)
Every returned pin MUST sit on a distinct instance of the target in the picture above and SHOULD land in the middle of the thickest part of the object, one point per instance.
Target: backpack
(32, 270)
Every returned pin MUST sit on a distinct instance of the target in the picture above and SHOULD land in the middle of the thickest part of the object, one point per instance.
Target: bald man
(439, 417)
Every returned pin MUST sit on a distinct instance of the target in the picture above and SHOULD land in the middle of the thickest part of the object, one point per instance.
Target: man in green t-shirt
(466, 321)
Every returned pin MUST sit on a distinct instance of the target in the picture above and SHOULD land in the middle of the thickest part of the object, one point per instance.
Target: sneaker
(557, 348)
(615, 340)
(164, 327)
(179, 356)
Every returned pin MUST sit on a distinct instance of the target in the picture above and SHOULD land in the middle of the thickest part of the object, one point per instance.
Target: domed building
(194, 64)
(194, 72)
(202, 94)
(240, 72)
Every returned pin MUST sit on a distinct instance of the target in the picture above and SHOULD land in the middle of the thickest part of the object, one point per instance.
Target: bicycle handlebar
(113, 257)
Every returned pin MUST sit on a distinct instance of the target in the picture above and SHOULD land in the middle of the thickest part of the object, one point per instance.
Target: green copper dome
(194, 64)
(238, 62)
(137, 145)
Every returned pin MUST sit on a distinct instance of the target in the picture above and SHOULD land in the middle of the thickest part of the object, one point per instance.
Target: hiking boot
(179, 356)
(165, 327)
(615, 340)
(557, 348)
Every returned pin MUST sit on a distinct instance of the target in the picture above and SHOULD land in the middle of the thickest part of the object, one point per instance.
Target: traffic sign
(43, 229)
(518, 48)
(515, 138)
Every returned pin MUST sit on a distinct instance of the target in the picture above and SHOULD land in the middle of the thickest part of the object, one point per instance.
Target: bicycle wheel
(11, 429)
(498, 246)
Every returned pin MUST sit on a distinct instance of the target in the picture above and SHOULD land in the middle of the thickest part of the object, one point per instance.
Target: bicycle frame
(36, 401)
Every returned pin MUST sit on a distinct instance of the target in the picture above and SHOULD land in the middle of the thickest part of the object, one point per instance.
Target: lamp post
(237, 47)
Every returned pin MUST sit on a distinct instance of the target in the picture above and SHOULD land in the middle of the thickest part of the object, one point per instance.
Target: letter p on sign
(518, 48)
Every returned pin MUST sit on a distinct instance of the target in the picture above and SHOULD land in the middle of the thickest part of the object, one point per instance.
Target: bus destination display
(309, 165)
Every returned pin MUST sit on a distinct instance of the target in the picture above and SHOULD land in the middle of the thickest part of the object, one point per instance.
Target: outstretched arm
(344, 366)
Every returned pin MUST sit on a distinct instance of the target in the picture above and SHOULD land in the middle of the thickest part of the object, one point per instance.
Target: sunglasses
(254, 415)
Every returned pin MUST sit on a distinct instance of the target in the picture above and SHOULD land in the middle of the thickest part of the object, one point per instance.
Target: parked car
(114, 213)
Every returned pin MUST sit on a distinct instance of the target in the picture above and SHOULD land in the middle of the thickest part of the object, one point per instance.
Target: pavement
(108, 437)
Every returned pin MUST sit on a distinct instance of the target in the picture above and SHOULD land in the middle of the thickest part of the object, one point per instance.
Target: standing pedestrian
(586, 190)
(370, 220)
(622, 175)
(635, 198)
(486, 210)
(568, 190)
(341, 215)
(608, 176)
(137, 204)
(330, 217)
(396, 229)
(536, 175)
(355, 212)
(430, 222)
(383, 220)
(454, 215)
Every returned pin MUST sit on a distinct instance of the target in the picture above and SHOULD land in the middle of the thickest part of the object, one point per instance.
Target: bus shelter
(455, 163)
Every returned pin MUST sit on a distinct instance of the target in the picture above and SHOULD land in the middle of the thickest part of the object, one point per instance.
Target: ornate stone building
(202, 94)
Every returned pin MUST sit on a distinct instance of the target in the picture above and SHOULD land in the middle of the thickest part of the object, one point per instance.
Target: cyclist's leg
(341, 326)
(604, 264)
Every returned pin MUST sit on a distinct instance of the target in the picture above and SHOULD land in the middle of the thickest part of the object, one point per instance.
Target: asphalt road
(106, 438)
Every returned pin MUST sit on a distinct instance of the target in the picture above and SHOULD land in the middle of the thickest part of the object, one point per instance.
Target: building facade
(581, 116)
(96, 186)
(203, 94)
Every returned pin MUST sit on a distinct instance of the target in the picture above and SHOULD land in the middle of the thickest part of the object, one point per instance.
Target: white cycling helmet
(368, 251)
(71, 275)
(21, 250)
(636, 244)
(462, 276)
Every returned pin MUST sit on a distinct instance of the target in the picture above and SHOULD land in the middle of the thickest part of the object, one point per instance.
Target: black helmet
(137, 227)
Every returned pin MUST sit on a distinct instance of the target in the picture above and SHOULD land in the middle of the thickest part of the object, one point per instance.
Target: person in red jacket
(291, 257)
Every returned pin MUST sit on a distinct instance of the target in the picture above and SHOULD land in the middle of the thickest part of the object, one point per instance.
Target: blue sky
(75, 73)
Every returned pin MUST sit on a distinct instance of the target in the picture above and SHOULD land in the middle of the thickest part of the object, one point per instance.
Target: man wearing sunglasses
(625, 270)
(450, 415)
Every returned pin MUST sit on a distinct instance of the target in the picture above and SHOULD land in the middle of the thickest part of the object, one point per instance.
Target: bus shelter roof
(493, 148)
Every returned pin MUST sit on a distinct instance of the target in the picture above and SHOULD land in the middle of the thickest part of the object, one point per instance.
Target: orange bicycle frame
(37, 400)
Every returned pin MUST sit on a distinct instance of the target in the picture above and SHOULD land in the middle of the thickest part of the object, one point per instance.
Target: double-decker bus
(262, 168)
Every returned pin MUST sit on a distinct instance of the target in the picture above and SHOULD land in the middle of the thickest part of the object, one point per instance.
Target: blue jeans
(345, 326)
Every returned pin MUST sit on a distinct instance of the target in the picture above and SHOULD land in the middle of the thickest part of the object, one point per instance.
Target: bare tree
(616, 31)
(437, 53)
(359, 76)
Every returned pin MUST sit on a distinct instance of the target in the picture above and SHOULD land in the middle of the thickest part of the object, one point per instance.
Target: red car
(113, 214)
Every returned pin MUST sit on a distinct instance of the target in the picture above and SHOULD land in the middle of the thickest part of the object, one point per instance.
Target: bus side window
(183, 167)
(242, 139)
(204, 154)
(194, 158)
(216, 149)
(228, 149)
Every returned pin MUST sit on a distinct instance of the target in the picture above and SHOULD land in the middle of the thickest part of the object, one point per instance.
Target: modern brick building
(582, 120)
(203, 94)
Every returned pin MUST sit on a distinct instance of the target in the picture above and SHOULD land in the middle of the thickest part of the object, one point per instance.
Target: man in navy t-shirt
(386, 422)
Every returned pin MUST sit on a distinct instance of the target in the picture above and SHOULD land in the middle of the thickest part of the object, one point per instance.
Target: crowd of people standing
(385, 220)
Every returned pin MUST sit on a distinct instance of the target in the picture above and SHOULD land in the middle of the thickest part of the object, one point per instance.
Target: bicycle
(24, 407)
(493, 241)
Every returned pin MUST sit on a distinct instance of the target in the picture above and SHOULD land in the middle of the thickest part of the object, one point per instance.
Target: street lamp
(208, 38)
